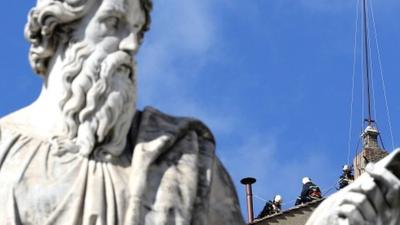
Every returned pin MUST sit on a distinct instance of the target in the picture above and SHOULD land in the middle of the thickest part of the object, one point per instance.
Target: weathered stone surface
(373, 199)
(82, 153)
(297, 215)
(370, 152)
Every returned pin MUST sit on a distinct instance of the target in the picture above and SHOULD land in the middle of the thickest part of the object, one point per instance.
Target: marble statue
(372, 199)
(82, 154)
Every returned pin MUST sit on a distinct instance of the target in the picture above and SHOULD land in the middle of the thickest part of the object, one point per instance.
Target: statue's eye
(111, 23)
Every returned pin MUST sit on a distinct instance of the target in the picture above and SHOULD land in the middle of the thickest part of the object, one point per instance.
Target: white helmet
(346, 167)
(306, 180)
(278, 198)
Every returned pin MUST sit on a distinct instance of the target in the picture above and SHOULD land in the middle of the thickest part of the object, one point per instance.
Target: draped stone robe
(167, 175)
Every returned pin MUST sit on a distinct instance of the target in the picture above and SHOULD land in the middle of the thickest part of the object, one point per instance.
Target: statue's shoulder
(22, 121)
(151, 123)
(9, 122)
(21, 116)
(11, 119)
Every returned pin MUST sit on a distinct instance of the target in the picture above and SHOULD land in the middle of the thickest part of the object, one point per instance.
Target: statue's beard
(99, 101)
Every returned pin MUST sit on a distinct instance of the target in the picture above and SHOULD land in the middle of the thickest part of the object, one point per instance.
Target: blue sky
(271, 78)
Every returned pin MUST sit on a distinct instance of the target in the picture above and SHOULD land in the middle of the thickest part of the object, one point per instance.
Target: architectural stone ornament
(373, 199)
(82, 154)
(370, 152)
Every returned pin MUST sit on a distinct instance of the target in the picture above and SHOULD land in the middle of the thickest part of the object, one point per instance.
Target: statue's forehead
(131, 9)
(117, 5)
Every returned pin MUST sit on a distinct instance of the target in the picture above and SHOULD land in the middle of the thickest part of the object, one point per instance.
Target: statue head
(52, 23)
(89, 45)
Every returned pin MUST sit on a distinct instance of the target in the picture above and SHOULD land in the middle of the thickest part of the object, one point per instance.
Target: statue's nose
(129, 43)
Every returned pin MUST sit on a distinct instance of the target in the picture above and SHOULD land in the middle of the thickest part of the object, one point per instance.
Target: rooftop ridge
(290, 214)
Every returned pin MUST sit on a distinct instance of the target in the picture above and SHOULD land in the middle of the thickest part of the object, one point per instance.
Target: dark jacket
(309, 193)
(345, 179)
(269, 209)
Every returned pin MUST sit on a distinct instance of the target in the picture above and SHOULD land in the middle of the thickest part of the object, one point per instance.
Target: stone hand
(374, 198)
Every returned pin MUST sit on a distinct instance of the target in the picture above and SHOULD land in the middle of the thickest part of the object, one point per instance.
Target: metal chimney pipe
(248, 181)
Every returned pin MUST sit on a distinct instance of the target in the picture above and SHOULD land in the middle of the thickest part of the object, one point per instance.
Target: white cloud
(176, 49)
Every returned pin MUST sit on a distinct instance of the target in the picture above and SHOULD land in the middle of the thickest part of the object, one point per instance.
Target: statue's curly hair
(49, 24)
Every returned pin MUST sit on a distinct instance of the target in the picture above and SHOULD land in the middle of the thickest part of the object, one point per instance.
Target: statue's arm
(171, 149)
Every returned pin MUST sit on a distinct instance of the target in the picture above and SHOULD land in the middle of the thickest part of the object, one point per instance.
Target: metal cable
(362, 80)
(372, 80)
(353, 83)
(381, 73)
(259, 198)
(327, 190)
(366, 59)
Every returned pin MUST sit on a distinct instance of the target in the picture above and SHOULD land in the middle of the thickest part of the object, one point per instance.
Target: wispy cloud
(180, 29)
(178, 47)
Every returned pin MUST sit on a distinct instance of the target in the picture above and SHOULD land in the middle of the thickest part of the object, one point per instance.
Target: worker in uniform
(346, 178)
(271, 207)
(309, 192)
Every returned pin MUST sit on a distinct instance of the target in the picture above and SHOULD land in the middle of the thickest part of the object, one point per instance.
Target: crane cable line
(381, 74)
(260, 198)
(358, 9)
(371, 69)
(370, 81)
(352, 85)
(372, 74)
(367, 61)
(361, 69)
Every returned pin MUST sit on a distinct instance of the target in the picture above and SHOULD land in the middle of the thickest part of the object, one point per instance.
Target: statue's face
(99, 76)
(115, 26)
